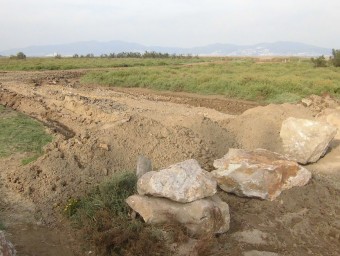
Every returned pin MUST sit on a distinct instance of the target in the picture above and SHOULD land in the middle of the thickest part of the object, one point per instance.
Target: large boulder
(205, 216)
(304, 140)
(259, 173)
(6, 247)
(183, 182)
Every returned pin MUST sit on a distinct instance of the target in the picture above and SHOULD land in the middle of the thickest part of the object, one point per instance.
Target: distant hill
(98, 48)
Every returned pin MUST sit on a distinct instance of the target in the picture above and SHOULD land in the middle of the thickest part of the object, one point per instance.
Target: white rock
(259, 173)
(304, 140)
(204, 216)
(183, 182)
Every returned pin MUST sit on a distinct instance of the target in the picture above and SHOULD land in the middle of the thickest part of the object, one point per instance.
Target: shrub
(21, 56)
(319, 62)
(336, 58)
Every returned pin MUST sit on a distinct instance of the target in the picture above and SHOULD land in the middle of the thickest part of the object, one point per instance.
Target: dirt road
(99, 131)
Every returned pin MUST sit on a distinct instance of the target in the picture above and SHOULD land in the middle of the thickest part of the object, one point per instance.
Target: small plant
(319, 62)
(336, 58)
(2, 226)
(71, 207)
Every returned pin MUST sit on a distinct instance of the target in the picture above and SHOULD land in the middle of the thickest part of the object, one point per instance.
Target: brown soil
(99, 131)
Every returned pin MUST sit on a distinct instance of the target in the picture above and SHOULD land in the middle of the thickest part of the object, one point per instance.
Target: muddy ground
(99, 131)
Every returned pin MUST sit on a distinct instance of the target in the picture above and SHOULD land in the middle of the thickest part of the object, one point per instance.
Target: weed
(103, 217)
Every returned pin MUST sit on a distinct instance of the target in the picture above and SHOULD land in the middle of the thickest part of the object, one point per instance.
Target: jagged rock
(183, 182)
(144, 165)
(259, 173)
(6, 247)
(204, 216)
(304, 140)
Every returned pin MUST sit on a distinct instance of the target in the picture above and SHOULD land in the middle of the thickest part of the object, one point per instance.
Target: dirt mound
(260, 127)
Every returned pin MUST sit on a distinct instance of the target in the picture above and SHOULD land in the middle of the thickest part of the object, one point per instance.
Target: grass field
(19, 133)
(237, 78)
(7, 64)
(273, 81)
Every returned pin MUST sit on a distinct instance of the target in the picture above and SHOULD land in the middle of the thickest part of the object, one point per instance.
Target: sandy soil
(99, 131)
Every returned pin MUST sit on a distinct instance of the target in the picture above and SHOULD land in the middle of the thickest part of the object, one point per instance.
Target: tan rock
(183, 182)
(259, 173)
(204, 216)
(304, 140)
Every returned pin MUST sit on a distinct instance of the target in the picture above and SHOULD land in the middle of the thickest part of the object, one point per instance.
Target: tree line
(146, 55)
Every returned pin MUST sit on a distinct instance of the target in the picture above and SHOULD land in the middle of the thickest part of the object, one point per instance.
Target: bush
(19, 56)
(336, 58)
(319, 62)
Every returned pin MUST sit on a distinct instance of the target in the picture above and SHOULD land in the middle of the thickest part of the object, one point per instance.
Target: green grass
(236, 78)
(7, 64)
(19, 133)
(2, 225)
(103, 217)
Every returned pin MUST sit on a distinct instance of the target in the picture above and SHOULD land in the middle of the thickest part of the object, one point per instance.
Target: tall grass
(238, 78)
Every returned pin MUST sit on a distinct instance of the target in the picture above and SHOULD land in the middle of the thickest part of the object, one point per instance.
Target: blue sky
(183, 23)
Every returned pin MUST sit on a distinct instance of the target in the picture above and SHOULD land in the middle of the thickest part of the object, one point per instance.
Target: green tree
(21, 56)
(319, 62)
(336, 58)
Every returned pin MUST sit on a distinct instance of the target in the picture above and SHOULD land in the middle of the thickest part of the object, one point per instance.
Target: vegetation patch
(19, 133)
(103, 217)
(271, 82)
(91, 62)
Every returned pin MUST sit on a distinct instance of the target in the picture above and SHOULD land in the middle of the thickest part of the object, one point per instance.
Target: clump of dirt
(110, 129)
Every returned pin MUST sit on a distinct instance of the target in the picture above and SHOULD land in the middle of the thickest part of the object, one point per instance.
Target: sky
(178, 23)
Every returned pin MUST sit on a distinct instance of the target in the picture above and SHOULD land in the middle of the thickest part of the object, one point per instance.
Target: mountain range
(98, 48)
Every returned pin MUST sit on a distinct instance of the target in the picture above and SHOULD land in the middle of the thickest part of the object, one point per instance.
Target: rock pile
(183, 193)
(259, 173)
